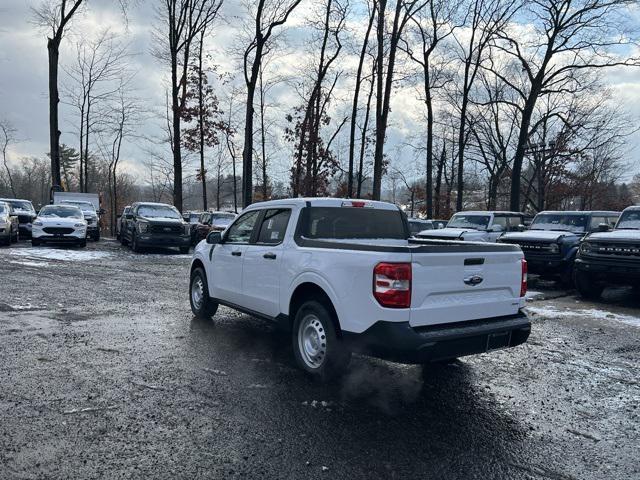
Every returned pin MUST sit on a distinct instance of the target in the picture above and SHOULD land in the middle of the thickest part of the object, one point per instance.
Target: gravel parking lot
(105, 373)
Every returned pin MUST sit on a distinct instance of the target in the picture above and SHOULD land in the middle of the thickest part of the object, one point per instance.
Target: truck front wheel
(201, 304)
(586, 286)
(317, 348)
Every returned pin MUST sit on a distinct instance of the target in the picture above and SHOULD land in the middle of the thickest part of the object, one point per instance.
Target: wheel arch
(309, 290)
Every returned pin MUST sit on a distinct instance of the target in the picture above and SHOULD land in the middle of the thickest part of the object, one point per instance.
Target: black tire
(201, 304)
(96, 236)
(82, 243)
(566, 277)
(184, 249)
(586, 286)
(35, 242)
(123, 240)
(320, 351)
(6, 242)
(134, 244)
(13, 237)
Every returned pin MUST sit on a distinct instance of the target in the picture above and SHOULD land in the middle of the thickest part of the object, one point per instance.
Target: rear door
(263, 262)
(464, 285)
(225, 269)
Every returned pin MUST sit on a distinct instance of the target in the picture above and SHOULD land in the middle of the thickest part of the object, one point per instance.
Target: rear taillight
(392, 284)
(523, 283)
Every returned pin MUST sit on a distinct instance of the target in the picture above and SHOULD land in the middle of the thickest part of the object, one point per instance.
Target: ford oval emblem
(473, 280)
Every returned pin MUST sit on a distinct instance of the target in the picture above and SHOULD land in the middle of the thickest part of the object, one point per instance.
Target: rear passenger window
(274, 226)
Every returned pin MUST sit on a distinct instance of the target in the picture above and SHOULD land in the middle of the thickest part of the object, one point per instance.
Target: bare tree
(55, 15)
(403, 11)
(356, 93)
(100, 62)
(122, 121)
(7, 137)
(570, 37)
(267, 16)
(181, 23)
(487, 18)
(309, 147)
(430, 26)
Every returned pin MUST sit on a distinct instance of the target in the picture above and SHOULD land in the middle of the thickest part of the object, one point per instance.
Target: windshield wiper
(628, 228)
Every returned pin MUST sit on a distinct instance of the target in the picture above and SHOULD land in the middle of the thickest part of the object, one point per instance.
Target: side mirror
(102, 211)
(522, 228)
(604, 227)
(213, 238)
(129, 216)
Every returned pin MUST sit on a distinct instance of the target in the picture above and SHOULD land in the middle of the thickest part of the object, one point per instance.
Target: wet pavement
(104, 373)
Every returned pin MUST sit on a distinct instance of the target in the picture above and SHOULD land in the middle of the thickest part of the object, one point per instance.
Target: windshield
(416, 226)
(222, 218)
(20, 205)
(61, 211)
(86, 207)
(476, 222)
(353, 223)
(629, 220)
(560, 222)
(159, 211)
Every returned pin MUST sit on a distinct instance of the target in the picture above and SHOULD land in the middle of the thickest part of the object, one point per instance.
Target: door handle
(270, 256)
(236, 253)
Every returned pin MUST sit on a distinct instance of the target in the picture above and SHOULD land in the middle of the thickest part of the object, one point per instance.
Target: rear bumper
(400, 342)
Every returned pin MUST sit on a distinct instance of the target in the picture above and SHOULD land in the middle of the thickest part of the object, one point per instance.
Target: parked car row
(586, 249)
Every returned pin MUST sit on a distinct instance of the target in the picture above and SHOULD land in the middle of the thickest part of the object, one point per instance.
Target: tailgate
(459, 286)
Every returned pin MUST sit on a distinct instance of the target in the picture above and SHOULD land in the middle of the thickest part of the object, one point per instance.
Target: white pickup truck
(343, 276)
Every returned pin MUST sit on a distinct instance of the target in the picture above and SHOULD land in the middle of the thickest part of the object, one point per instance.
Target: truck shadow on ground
(399, 419)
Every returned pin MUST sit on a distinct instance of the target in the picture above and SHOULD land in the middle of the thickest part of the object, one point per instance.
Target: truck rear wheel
(201, 304)
(586, 286)
(134, 244)
(317, 348)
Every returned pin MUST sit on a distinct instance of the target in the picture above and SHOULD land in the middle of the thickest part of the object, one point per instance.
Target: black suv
(25, 212)
(155, 225)
(609, 258)
(551, 244)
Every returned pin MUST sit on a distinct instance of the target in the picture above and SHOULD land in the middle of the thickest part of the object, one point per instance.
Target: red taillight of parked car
(392, 284)
(523, 284)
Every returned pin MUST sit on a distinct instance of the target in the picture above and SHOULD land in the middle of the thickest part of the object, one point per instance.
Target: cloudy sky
(23, 78)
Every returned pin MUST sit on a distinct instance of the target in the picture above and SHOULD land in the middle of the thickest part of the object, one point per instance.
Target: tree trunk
(203, 175)
(53, 45)
(429, 103)
(379, 150)
(177, 155)
(354, 109)
(262, 141)
(247, 151)
(84, 188)
(438, 188)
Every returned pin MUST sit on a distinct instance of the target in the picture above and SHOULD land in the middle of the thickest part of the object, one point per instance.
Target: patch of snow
(595, 314)
(533, 295)
(58, 254)
(30, 264)
(28, 306)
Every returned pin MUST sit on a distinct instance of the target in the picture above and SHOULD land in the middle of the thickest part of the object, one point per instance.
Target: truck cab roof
(324, 202)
